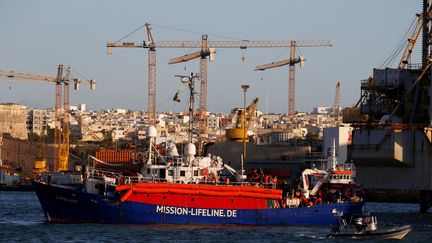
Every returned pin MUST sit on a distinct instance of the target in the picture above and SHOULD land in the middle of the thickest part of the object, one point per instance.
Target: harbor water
(22, 220)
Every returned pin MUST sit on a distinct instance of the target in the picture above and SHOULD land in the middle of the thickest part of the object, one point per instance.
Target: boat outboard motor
(372, 224)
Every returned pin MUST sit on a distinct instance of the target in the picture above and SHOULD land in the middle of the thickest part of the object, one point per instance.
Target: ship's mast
(332, 160)
(190, 82)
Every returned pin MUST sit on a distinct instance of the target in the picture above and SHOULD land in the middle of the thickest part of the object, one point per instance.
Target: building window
(182, 173)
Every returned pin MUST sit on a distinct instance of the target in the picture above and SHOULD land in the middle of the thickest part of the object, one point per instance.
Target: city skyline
(37, 36)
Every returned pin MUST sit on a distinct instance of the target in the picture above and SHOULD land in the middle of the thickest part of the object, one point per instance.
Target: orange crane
(61, 125)
(237, 134)
(291, 62)
(403, 63)
(207, 49)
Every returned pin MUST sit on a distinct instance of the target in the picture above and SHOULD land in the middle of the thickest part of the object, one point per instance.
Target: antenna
(190, 82)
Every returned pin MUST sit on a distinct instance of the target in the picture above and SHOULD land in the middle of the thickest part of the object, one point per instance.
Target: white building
(118, 134)
(82, 107)
(213, 122)
(119, 111)
(322, 110)
(37, 121)
(343, 138)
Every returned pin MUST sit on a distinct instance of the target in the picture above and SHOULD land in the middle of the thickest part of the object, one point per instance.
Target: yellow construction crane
(61, 127)
(207, 49)
(291, 62)
(40, 164)
(403, 63)
(236, 134)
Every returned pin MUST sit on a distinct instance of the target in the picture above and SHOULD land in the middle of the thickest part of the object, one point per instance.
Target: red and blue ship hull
(72, 205)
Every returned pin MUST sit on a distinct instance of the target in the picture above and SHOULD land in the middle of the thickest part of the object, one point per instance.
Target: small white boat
(365, 227)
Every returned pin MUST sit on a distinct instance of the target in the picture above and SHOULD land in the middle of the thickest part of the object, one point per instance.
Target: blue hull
(71, 205)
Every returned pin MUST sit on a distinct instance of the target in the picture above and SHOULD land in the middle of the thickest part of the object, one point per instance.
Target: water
(22, 220)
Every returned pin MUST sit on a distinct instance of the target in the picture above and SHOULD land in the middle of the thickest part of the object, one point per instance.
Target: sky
(37, 36)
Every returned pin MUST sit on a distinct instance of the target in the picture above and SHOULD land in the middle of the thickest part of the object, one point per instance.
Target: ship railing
(211, 183)
(107, 176)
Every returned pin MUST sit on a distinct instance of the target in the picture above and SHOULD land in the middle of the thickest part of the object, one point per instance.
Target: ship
(173, 189)
(187, 189)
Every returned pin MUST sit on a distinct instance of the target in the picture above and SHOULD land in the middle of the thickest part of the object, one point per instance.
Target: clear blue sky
(36, 36)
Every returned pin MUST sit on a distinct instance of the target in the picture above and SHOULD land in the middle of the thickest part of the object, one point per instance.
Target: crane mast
(291, 62)
(59, 150)
(291, 82)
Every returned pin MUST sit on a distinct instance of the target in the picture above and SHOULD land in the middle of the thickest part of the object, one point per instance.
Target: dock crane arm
(52, 79)
(403, 63)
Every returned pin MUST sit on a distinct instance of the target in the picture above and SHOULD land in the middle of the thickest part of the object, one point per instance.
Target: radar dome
(151, 131)
(190, 149)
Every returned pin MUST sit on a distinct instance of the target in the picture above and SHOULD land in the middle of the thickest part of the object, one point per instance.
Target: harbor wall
(22, 154)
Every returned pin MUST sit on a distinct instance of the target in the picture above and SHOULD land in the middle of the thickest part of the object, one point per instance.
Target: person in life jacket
(303, 201)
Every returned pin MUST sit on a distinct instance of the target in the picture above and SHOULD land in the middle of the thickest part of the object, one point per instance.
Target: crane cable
(131, 33)
(177, 29)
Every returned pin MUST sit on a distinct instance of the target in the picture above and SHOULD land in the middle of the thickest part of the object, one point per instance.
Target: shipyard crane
(151, 69)
(291, 62)
(61, 127)
(207, 49)
(406, 56)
